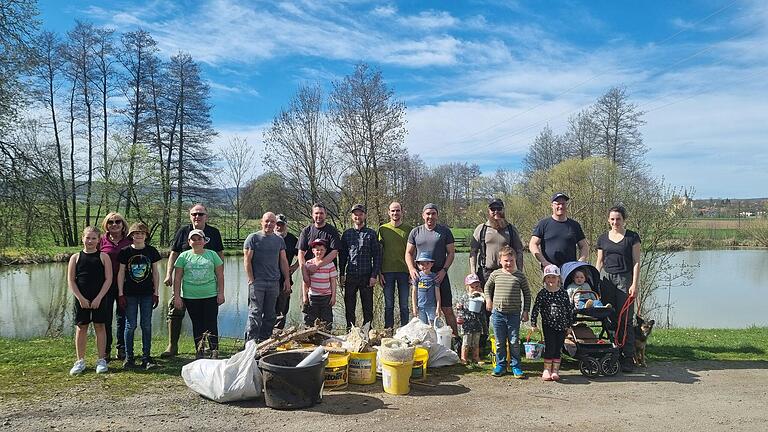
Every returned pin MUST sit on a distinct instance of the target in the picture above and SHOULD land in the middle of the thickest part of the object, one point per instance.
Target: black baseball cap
(358, 207)
(495, 202)
(281, 219)
(559, 195)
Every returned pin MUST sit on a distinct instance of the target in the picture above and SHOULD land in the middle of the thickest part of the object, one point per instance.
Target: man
(488, 239)
(265, 262)
(359, 266)
(198, 215)
(555, 238)
(317, 229)
(437, 239)
(393, 237)
(284, 298)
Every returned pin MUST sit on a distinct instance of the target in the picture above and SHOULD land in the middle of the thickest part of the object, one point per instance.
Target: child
(506, 293)
(471, 322)
(138, 280)
(319, 296)
(580, 292)
(424, 293)
(556, 316)
(89, 276)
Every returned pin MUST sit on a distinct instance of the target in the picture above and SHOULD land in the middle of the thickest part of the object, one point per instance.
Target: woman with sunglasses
(112, 242)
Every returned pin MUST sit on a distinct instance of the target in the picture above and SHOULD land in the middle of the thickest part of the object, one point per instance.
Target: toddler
(471, 322)
(425, 295)
(556, 316)
(319, 295)
(89, 277)
(580, 292)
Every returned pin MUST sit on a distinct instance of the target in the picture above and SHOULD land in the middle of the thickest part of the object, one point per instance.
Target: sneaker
(101, 366)
(130, 363)
(148, 363)
(546, 376)
(517, 372)
(555, 376)
(121, 353)
(78, 367)
(498, 371)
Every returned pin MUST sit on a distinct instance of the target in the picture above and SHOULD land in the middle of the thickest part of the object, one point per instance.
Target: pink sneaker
(545, 376)
(554, 376)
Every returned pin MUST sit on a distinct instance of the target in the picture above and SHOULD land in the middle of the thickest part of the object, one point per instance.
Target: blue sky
(482, 78)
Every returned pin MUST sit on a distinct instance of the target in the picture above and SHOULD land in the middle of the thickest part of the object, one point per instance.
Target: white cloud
(428, 20)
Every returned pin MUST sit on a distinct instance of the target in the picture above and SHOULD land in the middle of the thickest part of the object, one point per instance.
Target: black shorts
(96, 316)
(446, 297)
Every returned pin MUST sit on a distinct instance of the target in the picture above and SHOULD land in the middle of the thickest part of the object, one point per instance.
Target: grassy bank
(38, 368)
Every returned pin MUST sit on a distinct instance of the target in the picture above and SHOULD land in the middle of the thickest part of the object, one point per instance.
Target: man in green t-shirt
(393, 237)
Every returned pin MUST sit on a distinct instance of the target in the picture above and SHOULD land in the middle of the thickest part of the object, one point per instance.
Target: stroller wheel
(589, 367)
(609, 365)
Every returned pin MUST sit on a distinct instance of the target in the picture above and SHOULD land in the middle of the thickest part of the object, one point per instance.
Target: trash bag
(416, 332)
(232, 379)
(439, 355)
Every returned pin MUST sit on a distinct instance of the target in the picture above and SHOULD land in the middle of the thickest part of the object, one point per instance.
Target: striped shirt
(506, 288)
(320, 281)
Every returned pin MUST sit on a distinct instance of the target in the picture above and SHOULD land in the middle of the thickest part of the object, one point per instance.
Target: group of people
(410, 263)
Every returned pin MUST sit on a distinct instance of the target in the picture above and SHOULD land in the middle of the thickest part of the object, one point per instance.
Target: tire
(609, 365)
(589, 367)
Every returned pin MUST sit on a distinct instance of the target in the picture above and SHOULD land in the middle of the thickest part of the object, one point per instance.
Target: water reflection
(34, 300)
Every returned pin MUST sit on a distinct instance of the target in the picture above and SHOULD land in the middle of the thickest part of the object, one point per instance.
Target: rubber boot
(546, 374)
(174, 331)
(555, 370)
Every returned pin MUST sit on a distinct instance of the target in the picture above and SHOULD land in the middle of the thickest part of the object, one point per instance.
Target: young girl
(425, 295)
(198, 285)
(138, 280)
(319, 296)
(556, 316)
(89, 276)
(471, 322)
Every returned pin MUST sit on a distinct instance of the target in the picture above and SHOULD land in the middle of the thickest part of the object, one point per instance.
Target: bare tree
(104, 58)
(618, 124)
(240, 162)
(370, 127)
(17, 26)
(546, 151)
(581, 137)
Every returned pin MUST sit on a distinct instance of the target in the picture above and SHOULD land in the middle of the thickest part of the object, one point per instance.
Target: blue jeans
(403, 293)
(427, 314)
(135, 305)
(262, 298)
(506, 328)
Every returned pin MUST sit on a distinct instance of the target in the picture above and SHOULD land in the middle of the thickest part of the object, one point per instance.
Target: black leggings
(204, 314)
(351, 288)
(553, 343)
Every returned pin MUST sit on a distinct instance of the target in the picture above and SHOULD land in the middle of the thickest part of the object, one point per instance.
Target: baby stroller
(597, 355)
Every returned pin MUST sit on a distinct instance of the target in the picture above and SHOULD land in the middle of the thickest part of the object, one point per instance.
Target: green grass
(39, 368)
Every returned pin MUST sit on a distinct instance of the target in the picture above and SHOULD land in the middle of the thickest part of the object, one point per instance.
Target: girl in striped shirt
(319, 296)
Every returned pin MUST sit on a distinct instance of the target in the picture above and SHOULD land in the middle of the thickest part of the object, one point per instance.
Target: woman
(618, 260)
(112, 242)
(198, 286)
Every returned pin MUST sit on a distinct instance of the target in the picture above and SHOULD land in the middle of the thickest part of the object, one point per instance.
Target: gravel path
(677, 396)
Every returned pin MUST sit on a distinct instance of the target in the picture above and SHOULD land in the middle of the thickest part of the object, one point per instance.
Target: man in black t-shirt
(554, 239)
(198, 215)
(318, 229)
(284, 299)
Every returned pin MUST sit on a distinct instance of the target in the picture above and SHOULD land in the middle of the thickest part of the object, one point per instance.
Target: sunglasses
(198, 214)
(114, 222)
(496, 209)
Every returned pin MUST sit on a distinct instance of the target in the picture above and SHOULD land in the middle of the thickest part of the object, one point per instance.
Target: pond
(728, 290)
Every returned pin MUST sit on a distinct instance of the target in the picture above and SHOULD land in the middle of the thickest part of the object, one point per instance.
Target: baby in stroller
(581, 294)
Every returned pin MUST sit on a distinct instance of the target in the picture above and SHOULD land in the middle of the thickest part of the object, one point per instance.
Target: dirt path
(679, 396)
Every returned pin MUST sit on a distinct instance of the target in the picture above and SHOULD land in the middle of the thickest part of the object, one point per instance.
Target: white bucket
(475, 304)
(444, 332)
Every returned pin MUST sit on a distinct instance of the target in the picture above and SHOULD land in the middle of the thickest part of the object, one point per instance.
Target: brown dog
(642, 331)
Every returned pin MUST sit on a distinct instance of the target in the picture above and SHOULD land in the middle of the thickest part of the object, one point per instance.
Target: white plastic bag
(416, 331)
(232, 379)
(440, 356)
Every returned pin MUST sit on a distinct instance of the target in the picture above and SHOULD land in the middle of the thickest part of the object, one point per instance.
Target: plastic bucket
(533, 350)
(492, 339)
(475, 304)
(289, 387)
(336, 371)
(419, 369)
(395, 376)
(444, 332)
(362, 367)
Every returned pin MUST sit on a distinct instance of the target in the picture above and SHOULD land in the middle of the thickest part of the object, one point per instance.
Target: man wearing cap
(393, 237)
(318, 229)
(437, 239)
(359, 265)
(555, 239)
(198, 215)
(265, 265)
(284, 298)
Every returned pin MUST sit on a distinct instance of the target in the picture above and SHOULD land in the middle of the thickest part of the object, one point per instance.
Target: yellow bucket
(336, 371)
(419, 370)
(395, 376)
(362, 367)
(492, 339)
